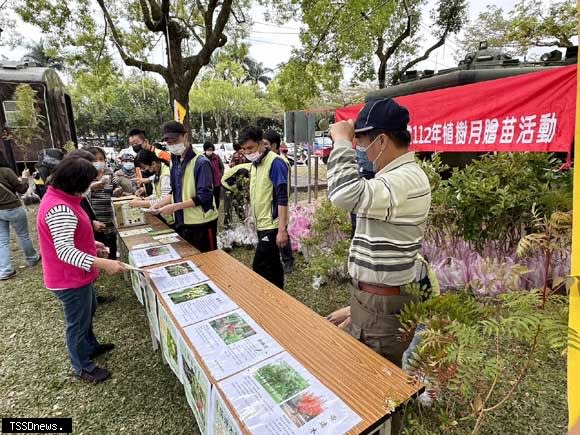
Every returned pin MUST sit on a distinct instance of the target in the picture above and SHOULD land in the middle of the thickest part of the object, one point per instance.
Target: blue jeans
(17, 218)
(79, 306)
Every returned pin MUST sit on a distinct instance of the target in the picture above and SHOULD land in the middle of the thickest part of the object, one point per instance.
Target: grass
(144, 397)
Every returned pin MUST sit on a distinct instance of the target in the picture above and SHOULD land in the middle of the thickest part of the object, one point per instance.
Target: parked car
(322, 147)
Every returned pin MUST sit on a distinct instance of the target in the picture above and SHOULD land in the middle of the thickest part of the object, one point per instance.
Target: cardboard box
(126, 216)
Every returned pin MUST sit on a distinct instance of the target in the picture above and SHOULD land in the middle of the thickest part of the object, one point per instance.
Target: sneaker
(35, 262)
(96, 376)
(105, 299)
(102, 349)
(10, 275)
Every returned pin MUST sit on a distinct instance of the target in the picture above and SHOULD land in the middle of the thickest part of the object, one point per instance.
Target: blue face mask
(364, 165)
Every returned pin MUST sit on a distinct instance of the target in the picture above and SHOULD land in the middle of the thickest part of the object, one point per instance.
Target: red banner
(528, 112)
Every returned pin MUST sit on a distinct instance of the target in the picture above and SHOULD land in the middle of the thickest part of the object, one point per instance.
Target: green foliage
(529, 24)
(107, 103)
(467, 351)
(228, 102)
(28, 123)
(192, 31)
(491, 199)
(301, 83)
(330, 242)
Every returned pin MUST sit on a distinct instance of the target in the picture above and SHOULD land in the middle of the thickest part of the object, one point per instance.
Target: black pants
(267, 259)
(203, 236)
(110, 241)
(216, 196)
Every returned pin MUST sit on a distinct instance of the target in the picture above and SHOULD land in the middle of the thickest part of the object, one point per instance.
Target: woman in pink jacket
(71, 262)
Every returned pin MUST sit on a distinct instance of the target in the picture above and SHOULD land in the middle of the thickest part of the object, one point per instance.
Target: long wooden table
(369, 384)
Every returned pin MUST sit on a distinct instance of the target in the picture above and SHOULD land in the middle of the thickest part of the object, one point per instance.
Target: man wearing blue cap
(391, 213)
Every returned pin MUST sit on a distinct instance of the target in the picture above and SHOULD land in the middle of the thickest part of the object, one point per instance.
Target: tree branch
(425, 55)
(147, 15)
(325, 32)
(155, 10)
(406, 33)
(129, 60)
(190, 28)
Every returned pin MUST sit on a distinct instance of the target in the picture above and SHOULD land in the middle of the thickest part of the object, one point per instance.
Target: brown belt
(378, 290)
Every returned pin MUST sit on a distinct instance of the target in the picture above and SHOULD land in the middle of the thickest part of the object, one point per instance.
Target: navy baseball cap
(384, 114)
(172, 129)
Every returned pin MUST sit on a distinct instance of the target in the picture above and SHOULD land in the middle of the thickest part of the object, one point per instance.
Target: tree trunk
(181, 94)
(229, 127)
(382, 73)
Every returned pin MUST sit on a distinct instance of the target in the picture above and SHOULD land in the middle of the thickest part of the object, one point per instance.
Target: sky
(272, 44)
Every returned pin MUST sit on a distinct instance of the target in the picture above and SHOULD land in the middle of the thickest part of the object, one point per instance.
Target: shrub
(491, 199)
(327, 248)
(476, 351)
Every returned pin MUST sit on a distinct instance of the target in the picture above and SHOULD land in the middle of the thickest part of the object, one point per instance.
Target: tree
(255, 71)
(448, 19)
(352, 32)
(228, 103)
(106, 103)
(44, 55)
(28, 124)
(191, 29)
(529, 24)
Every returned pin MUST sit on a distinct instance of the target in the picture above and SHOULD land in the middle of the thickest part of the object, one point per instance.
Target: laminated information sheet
(280, 397)
(151, 305)
(197, 388)
(137, 280)
(223, 421)
(135, 232)
(154, 255)
(231, 342)
(169, 340)
(198, 302)
(167, 238)
(176, 275)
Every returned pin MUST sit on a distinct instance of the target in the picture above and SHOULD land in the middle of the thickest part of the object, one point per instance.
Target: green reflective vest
(194, 215)
(262, 193)
(231, 175)
(165, 172)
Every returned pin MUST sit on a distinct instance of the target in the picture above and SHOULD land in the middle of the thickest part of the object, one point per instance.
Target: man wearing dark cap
(391, 213)
(193, 204)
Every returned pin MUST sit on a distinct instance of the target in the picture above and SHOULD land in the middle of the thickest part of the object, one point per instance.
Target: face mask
(363, 160)
(209, 153)
(177, 149)
(366, 150)
(129, 166)
(99, 166)
(137, 148)
(254, 156)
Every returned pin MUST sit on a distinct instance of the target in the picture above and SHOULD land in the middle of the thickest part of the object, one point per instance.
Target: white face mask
(129, 166)
(254, 156)
(99, 166)
(177, 149)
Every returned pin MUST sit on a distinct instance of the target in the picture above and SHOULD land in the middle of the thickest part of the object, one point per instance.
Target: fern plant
(551, 235)
(477, 351)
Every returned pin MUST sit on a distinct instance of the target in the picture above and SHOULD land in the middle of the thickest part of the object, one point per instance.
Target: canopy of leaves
(529, 24)
(107, 103)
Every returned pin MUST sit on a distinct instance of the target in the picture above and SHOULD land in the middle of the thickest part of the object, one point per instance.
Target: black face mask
(147, 174)
(137, 148)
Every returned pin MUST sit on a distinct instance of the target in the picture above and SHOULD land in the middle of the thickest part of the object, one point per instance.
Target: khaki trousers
(375, 322)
